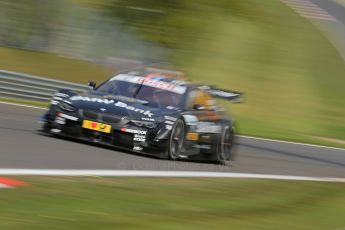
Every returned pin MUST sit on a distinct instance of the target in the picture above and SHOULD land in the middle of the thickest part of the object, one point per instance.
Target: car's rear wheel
(225, 145)
(176, 140)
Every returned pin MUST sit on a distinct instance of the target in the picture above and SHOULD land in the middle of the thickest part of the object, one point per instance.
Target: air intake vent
(89, 114)
(111, 118)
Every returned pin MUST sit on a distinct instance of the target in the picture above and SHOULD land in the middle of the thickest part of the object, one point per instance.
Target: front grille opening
(89, 114)
(108, 118)
(97, 116)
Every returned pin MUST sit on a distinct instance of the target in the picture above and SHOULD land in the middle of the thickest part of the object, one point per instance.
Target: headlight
(66, 107)
(147, 124)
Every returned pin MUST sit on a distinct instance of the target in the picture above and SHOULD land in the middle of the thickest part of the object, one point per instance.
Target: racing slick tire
(176, 140)
(225, 146)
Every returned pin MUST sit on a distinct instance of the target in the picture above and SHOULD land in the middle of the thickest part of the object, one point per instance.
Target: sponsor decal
(98, 100)
(135, 131)
(131, 108)
(156, 83)
(163, 85)
(68, 117)
(96, 126)
(192, 136)
(147, 119)
(140, 138)
(117, 104)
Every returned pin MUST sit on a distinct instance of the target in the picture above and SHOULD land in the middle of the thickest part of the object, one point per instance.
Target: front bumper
(122, 135)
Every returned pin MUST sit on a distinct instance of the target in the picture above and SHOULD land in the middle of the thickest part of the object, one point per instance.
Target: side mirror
(92, 85)
(198, 107)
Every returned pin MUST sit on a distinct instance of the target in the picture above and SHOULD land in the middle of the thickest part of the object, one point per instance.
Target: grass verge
(52, 66)
(152, 203)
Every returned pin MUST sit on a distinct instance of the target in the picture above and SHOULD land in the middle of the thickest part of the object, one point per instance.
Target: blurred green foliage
(291, 74)
(174, 24)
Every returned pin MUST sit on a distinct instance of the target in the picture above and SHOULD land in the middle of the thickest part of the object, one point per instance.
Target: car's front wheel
(176, 140)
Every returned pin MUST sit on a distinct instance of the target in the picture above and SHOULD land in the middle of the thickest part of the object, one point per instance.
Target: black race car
(147, 112)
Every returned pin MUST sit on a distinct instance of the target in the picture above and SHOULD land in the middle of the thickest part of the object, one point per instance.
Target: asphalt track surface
(22, 147)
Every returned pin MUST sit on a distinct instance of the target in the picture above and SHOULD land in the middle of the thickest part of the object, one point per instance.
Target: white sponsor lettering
(118, 104)
(93, 99)
(138, 137)
(135, 131)
(131, 108)
(147, 119)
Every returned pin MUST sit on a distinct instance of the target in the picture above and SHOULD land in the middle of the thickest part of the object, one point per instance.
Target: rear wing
(229, 95)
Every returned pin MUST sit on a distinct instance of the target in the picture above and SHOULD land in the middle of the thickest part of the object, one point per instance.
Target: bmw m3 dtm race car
(147, 112)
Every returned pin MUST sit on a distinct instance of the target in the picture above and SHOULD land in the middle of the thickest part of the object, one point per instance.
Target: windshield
(155, 96)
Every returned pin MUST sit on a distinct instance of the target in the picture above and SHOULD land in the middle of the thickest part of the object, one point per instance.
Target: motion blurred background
(293, 76)
(288, 62)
